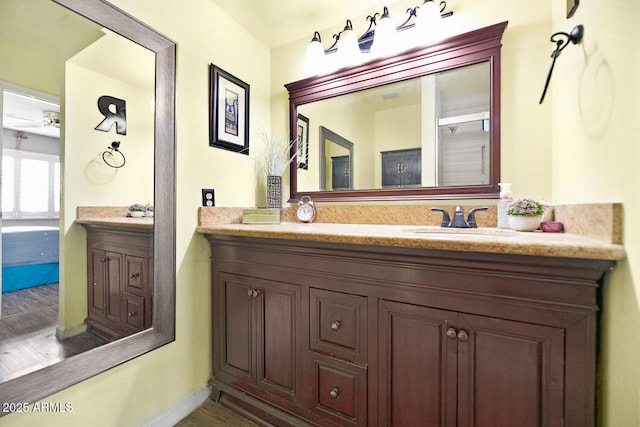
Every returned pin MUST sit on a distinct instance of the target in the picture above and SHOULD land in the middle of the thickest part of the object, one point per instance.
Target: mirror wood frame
(49, 380)
(453, 52)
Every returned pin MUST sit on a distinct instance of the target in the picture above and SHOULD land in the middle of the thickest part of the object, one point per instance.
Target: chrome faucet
(458, 217)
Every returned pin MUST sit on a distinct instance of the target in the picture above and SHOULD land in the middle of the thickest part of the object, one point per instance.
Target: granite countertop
(111, 217)
(120, 222)
(601, 241)
(490, 240)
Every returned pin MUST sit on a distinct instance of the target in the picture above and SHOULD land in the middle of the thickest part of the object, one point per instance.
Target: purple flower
(525, 207)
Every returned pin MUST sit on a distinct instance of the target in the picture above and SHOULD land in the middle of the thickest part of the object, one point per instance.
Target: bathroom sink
(483, 231)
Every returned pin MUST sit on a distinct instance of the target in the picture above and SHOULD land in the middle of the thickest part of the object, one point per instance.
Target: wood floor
(210, 414)
(28, 342)
(28, 339)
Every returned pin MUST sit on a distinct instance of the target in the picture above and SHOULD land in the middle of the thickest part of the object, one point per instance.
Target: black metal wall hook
(562, 40)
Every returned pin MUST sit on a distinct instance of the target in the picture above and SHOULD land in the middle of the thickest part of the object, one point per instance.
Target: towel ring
(112, 159)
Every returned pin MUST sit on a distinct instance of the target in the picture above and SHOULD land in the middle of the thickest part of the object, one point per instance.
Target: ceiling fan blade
(29, 125)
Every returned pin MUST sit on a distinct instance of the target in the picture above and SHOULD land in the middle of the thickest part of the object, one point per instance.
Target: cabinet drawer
(340, 391)
(339, 324)
(135, 274)
(133, 311)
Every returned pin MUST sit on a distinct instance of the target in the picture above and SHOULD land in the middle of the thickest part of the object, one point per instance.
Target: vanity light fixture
(422, 26)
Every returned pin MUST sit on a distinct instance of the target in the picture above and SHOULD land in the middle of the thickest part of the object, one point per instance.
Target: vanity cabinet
(119, 271)
(328, 334)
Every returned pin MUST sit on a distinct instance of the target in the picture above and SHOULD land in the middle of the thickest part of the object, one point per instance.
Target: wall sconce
(382, 38)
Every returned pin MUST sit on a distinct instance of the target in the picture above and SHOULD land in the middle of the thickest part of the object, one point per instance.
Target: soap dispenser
(506, 197)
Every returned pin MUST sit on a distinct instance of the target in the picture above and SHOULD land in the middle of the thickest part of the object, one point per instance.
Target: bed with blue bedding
(29, 257)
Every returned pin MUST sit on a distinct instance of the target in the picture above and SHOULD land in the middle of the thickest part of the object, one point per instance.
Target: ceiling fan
(49, 118)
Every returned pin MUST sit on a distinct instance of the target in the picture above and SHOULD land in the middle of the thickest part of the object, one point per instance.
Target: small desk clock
(306, 210)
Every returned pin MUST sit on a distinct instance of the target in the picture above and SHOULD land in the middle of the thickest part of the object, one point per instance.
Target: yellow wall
(579, 146)
(88, 181)
(526, 127)
(595, 127)
(135, 392)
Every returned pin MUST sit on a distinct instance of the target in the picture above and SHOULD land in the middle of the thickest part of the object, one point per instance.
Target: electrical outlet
(208, 197)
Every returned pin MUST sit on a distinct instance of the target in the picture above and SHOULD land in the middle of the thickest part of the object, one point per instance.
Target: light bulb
(348, 48)
(314, 60)
(428, 23)
(384, 37)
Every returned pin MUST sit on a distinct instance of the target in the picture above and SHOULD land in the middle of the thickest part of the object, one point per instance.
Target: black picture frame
(228, 111)
(303, 142)
(572, 6)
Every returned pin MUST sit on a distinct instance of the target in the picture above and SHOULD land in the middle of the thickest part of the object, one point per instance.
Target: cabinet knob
(336, 325)
(253, 292)
(451, 333)
(250, 292)
(132, 313)
(463, 335)
(134, 275)
(334, 393)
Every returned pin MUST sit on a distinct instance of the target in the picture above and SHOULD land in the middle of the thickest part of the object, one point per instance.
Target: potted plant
(148, 210)
(272, 160)
(525, 214)
(137, 210)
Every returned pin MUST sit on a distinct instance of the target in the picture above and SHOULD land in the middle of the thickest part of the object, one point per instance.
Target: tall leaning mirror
(83, 48)
(422, 124)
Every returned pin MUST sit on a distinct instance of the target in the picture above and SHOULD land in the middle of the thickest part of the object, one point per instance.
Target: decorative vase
(274, 191)
(136, 214)
(524, 223)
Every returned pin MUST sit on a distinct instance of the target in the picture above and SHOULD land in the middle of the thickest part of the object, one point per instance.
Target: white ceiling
(52, 36)
(29, 114)
(279, 22)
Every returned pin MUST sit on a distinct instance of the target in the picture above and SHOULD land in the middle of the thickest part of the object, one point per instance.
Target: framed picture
(572, 5)
(303, 142)
(228, 112)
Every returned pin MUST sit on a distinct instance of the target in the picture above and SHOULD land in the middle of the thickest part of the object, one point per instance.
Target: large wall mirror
(423, 124)
(86, 46)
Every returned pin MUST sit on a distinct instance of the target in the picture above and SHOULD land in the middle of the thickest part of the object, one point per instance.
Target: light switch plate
(208, 197)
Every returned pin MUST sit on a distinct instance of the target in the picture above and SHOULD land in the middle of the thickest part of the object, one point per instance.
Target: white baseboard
(171, 416)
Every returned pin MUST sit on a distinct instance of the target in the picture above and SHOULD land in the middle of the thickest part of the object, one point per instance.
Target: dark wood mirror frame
(454, 52)
(49, 380)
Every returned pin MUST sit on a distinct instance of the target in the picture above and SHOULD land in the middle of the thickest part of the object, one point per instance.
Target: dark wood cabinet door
(509, 373)
(340, 173)
(278, 317)
(259, 342)
(391, 176)
(412, 168)
(417, 366)
(113, 276)
(237, 333)
(97, 286)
